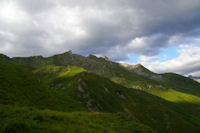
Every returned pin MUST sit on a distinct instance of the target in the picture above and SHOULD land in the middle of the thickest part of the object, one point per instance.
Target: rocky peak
(106, 58)
(68, 52)
(91, 56)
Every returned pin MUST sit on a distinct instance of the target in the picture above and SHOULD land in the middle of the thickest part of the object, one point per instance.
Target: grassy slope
(101, 66)
(101, 94)
(129, 76)
(181, 83)
(51, 72)
(29, 120)
(20, 87)
(171, 87)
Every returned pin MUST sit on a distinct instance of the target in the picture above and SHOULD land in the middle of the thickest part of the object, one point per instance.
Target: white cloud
(188, 62)
(11, 14)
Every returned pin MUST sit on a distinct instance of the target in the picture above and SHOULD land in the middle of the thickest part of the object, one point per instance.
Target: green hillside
(168, 103)
(20, 87)
(49, 73)
(99, 94)
(127, 75)
(30, 120)
(101, 66)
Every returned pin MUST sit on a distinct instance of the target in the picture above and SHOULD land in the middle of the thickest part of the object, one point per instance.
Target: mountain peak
(68, 52)
(106, 58)
(65, 53)
(138, 66)
(132, 66)
(91, 56)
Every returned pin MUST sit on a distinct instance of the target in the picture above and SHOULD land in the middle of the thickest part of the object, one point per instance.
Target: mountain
(20, 87)
(129, 76)
(90, 85)
(24, 98)
(100, 94)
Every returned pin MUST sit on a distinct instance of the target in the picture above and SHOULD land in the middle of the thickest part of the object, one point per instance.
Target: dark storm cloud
(107, 27)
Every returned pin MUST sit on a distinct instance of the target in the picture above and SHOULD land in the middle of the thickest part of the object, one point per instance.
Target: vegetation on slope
(100, 94)
(51, 72)
(181, 83)
(30, 120)
(101, 66)
(180, 114)
(20, 87)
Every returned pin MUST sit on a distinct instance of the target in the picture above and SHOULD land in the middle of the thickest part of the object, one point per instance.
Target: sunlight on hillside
(175, 96)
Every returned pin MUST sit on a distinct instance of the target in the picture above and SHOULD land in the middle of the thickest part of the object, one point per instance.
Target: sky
(162, 35)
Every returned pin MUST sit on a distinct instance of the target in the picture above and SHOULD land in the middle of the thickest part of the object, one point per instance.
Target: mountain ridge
(163, 102)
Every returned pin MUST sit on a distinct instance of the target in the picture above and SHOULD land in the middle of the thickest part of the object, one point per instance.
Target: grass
(20, 87)
(100, 94)
(171, 106)
(51, 72)
(175, 96)
(23, 120)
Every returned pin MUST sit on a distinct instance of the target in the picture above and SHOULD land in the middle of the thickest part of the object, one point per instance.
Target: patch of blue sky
(133, 59)
(169, 53)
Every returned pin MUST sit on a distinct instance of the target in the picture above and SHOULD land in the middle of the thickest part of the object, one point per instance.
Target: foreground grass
(20, 87)
(23, 120)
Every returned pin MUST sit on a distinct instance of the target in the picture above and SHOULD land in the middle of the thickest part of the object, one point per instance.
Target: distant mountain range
(72, 93)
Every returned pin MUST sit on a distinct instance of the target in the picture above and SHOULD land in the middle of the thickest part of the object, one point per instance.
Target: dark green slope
(102, 95)
(182, 84)
(20, 87)
(29, 120)
(180, 114)
(4, 57)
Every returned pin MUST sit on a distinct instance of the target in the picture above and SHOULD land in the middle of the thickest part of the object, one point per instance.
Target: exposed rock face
(106, 58)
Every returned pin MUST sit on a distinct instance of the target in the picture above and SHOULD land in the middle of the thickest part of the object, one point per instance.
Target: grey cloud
(149, 46)
(105, 27)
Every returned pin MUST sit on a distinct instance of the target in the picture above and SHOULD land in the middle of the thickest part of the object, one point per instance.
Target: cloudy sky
(163, 35)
